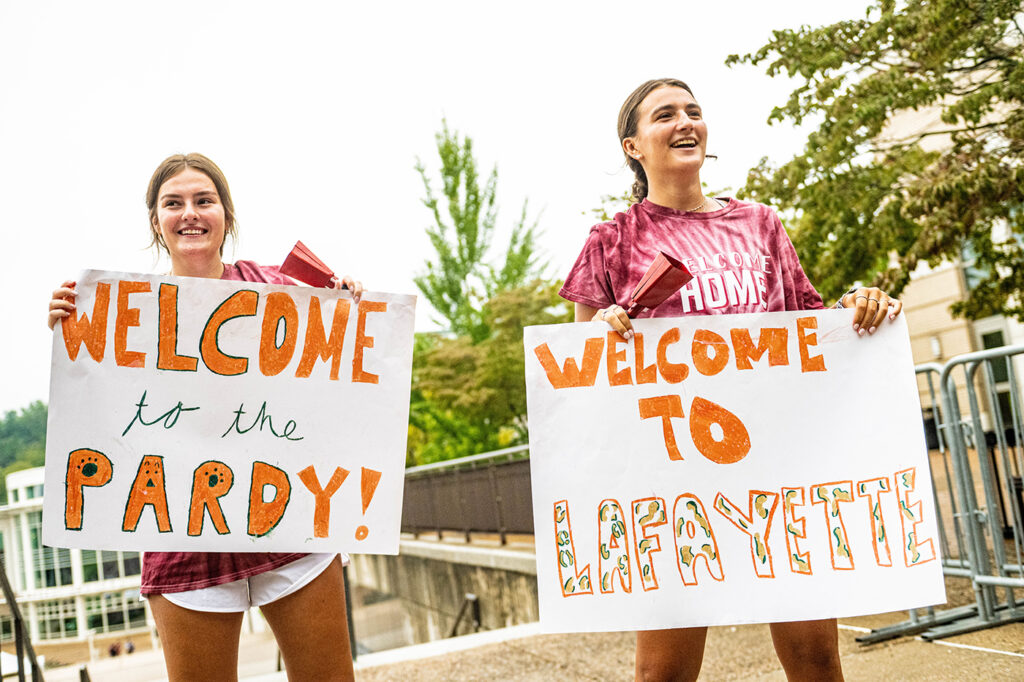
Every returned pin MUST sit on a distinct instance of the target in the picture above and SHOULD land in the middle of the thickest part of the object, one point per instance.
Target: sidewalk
(522, 653)
(733, 653)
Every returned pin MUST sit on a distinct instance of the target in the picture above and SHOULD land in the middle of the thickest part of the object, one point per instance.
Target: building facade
(63, 593)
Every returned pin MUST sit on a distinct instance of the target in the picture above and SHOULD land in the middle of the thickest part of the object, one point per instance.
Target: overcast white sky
(316, 112)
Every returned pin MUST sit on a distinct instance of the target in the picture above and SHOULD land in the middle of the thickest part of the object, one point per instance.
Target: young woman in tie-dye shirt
(742, 262)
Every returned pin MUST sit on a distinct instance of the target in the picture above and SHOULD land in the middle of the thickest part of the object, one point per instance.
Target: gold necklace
(699, 206)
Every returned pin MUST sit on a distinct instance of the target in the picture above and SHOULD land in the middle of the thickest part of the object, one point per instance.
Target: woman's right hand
(63, 302)
(614, 315)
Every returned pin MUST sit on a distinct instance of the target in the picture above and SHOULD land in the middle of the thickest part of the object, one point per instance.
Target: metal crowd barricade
(977, 478)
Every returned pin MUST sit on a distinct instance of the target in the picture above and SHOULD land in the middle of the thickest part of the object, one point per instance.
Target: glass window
(57, 619)
(132, 566)
(115, 611)
(6, 628)
(90, 568)
(110, 567)
(995, 340)
(14, 495)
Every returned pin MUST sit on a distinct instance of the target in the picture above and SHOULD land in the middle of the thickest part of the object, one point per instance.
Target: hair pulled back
(629, 120)
(175, 164)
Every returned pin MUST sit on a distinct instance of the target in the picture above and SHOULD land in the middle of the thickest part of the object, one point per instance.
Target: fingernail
(892, 316)
(629, 334)
(860, 332)
(856, 327)
(871, 331)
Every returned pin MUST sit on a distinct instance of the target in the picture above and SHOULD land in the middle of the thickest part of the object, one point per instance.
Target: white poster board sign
(207, 415)
(727, 469)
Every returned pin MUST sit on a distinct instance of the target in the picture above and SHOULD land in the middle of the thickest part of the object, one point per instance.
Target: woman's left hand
(353, 285)
(871, 306)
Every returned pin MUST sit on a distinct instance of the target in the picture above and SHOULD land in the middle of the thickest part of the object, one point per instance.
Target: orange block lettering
(318, 344)
(322, 511)
(239, 304)
(210, 481)
(644, 375)
(264, 516)
(735, 442)
(570, 375)
(705, 341)
(617, 377)
(279, 308)
(805, 339)
(363, 341)
(773, 340)
(85, 468)
(667, 407)
(167, 347)
(148, 488)
(127, 317)
(671, 371)
(78, 330)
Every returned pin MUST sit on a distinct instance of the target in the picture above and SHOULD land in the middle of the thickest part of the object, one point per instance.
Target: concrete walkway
(521, 653)
(733, 653)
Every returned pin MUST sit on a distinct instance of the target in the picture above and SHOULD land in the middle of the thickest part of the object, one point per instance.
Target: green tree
(471, 397)
(22, 441)
(459, 279)
(868, 204)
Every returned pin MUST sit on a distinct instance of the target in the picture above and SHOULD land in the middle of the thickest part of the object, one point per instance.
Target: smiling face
(670, 137)
(190, 217)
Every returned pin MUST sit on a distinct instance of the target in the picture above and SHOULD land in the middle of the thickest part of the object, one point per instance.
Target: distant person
(115, 649)
(663, 135)
(129, 647)
(198, 598)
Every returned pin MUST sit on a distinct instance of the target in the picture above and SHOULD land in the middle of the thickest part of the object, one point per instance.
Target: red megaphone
(302, 265)
(665, 277)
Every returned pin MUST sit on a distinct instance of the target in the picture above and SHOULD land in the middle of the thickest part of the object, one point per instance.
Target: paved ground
(733, 653)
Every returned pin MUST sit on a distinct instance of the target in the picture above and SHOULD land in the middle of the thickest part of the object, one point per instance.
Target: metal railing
(978, 492)
(486, 493)
(22, 643)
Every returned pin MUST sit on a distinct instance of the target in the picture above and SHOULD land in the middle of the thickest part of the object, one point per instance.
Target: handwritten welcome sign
(727, 469)
(196, 414)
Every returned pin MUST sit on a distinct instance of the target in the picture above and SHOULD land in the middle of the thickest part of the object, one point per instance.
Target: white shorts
(256, 590)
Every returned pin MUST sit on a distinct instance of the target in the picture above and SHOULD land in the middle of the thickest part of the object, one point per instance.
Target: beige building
(936, 336)
(63, 593)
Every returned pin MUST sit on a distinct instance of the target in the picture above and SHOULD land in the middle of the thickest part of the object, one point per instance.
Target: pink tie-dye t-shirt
(740, 256)
(164, 572)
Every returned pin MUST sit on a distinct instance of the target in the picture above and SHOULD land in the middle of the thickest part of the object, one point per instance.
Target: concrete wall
(431, 580)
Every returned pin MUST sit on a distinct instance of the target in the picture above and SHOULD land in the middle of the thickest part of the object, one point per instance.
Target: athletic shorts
(256, 590)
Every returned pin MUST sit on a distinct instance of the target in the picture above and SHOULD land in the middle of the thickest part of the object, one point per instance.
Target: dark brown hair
(629, 119)
(175, 164)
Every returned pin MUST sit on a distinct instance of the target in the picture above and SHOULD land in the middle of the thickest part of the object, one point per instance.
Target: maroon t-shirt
(740, 256)
(182, 571)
